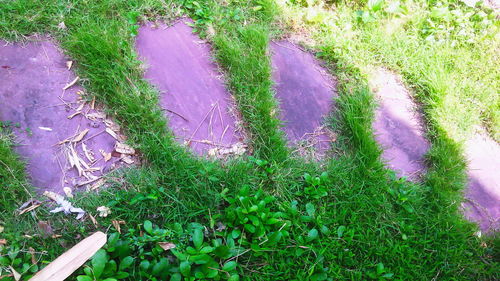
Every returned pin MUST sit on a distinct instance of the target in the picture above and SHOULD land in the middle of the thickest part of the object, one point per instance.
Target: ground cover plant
(273, 215)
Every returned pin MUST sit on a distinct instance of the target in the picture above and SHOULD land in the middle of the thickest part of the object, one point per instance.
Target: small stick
(178, 114)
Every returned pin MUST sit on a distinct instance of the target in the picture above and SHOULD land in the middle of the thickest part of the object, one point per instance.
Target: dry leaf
(3, 241)
(97, 184)
(112, 133)
(80, 136)
(74, 114)
(75, 160)
(112, 125)
(92, 104)
(1, 228)
(116, 225)
(166, 245)
(16, 274)
(107, 156)
(94, 221)
(53, 196)
(30, 208)
(96, 115)
(123, 148)
(69, 64)
(127, 160)
(103, 211)
(45, 129)
(88, 153)
(68, 192)
(55, 236)
(61, 25)
(32, 253)
(70, 84)
(45, 228)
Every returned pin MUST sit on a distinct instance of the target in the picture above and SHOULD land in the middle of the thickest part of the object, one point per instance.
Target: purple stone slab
(32, 77)
(305, 92)
(482, 203)
(398, 126)
(193, 96)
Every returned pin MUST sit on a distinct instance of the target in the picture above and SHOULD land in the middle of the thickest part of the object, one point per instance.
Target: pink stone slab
(193, 96)
(483, 195)
(32, 77)
(305, 92)
(398, 126)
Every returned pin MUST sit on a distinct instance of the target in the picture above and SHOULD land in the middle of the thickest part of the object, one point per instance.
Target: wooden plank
(71, 260)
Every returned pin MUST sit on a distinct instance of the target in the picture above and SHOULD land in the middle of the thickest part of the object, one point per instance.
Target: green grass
(369, 218)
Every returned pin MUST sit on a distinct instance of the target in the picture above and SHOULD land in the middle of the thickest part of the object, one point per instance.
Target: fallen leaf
(64, 206)
(166, 245)
(16, 274)
(94, 221)
(116, 225)
(127, 159)
(31, 251)
(112, 125)
(55, 236)
(3, 242)
(61, 25)
(70, 84)
(75, 160)
(88, 153)
(30, 208)
(52, 195)
(1, 228)
(80, 108)
(80, 136)
(123, 148)
(45, 129)
(107, 156)
(69, 64)
(74, 114)
(92, 104)
(45, 228)
(96, 115)
(97, 184)
(112, 133)
(103, 211)
(67, 190)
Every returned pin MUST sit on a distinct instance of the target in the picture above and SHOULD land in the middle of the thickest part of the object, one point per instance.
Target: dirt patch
(65, 140)
(305, 92)
(398, 126)
(199, 108)
(482, 203)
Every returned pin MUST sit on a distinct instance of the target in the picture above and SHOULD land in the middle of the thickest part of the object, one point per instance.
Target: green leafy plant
(457, 23)
(132, 19)
(13, 258)
(316, 187)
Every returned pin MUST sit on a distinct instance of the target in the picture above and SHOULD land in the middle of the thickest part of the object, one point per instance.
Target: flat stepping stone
(398, 126)
(482, 203)
(199, 108)
(305, 92)
(52, 126)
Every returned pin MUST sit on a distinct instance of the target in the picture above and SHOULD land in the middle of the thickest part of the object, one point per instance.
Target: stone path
(482, 203)
(199, 108)
(399, 130)
(62, 137)
(398, 126)
(305, 92)
(69, 143)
